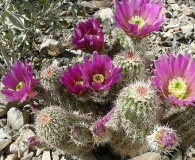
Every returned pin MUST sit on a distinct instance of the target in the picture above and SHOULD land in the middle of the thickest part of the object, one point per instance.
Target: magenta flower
(72, 79)
(19, 82)
(99, 75)
(88, 36)
(33, 141)
(138, 18)
(175, 78)
(163, 139)
(98, 129)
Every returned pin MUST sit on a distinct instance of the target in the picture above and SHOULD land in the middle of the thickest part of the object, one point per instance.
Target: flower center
(137, 20)
(48, 72)
(45, 119)
(98, 78)
(79, 82)
(166, 139)
(142, 91)
(178, 88)
(19, 86)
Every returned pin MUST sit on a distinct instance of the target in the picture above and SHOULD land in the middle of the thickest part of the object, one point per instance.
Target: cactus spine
(53, 126)
(137, 105)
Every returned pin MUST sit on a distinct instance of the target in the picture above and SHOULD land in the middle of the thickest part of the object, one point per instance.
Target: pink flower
(138, 18)
(98, 129)
(175, 78)
(163, 139)
(72, 79)
(99, 75)
(88, 36)
(19, 82)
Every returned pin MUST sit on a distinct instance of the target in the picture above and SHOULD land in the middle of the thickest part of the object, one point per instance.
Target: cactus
(137, 104)
(53, 126)
(50, 77)
(120, 143)
(183, 121)
(120, 36)
(80, 134)
(126, 146)
(131, 65)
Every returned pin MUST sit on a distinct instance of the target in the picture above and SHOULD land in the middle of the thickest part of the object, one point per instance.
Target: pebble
(17, 118)
(20, 146)
(4, 143)
(28, 156)
(12, 157)
(89, 7)
(106, 13)
(192, 46)
(46, 155)
(51, 47)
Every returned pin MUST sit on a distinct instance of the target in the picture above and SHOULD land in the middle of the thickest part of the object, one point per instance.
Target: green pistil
(137, 20)
(178, 88)
(98, 78)
(19, 86)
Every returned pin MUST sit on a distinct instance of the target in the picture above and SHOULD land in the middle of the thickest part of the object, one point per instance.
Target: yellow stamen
(79, 82)
(178, 88)
(137, 20)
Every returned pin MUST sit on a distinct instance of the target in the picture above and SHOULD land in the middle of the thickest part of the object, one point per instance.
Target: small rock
(12, 157)
(55, 157)
(52, 47)
(106, 27)
(170, 1)
(192, 46)
(168, 34)
(187, 28)
(46, 155)
(4, 143)
(188, 12)
(156, 49)
(36, 158)
(177, 156)
(17, 118)
(39, 151)
(6, 132)
(28, 156)
(175, 14)
(175, 7)
(106, 14)
(179, 35)
(148, 156)
(89, 7)
(20, 146)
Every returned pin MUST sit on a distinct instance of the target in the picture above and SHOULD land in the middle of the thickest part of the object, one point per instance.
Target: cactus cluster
(114, 100)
